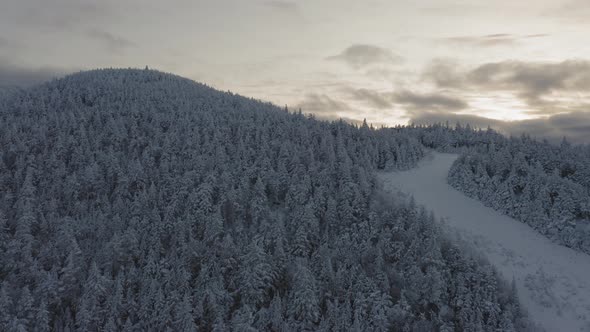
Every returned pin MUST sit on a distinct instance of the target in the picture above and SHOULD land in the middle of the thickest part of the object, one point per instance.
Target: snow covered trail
(553, 281)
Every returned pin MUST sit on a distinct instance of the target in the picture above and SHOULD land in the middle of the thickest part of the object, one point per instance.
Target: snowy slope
(553, 281)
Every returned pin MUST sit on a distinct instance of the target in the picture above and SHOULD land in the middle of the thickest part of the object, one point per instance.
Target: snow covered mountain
(139, 200)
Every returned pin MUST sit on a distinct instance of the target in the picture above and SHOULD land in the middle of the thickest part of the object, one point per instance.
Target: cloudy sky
(515, 65)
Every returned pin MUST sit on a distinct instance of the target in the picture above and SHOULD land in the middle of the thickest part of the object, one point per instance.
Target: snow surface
(553, 281)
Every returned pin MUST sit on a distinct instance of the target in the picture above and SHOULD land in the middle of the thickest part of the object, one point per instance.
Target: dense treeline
(136, 200)
(453, 139)
(543, 185)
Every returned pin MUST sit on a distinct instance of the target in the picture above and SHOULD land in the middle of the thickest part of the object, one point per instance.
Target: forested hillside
(545, 186)
(137, 200)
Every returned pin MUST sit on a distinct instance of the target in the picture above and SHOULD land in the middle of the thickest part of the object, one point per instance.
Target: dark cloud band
(536, 83)
(497, 39)
(14, 75)
(432, 101)
(113, 43)
(362, 55)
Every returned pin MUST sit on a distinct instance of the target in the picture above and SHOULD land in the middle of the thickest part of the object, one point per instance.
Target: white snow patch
(553, 281)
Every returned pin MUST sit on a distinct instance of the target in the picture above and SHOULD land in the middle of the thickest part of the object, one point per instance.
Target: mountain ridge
(133, 200)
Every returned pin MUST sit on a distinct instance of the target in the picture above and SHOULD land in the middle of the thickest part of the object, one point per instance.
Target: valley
(551, 279)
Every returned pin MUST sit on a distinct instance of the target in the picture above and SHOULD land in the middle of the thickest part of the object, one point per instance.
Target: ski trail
(553, 281)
